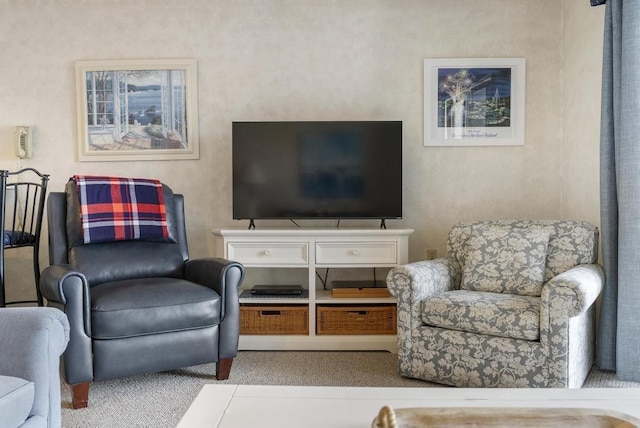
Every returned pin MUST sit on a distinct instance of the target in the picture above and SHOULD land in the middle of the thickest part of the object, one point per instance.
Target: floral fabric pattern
(560, 357)
(495, 314)
(505, 260)
(571, 243)
(464, 359)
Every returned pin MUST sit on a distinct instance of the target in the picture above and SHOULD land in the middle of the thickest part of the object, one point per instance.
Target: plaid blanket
(118, 209)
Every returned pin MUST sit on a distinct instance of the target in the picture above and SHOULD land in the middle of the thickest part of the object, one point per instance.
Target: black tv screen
(312, 170)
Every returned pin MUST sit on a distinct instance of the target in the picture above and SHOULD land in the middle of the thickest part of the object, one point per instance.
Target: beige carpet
(159, 400)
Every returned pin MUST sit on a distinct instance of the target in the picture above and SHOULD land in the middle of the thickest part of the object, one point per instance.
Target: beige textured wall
(307, 60)
(582, 84)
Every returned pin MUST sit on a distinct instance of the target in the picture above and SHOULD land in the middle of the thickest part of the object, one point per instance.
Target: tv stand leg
(252, 224)
(383, 224)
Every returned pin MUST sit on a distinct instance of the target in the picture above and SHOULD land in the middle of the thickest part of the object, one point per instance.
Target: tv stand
(311, 249)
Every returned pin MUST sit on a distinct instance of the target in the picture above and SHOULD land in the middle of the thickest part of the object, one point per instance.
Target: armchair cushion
(505, 260)
(151, 305)
(571, 243)
(16, 400)
(495, 314)
(117, 261)
(17, 237)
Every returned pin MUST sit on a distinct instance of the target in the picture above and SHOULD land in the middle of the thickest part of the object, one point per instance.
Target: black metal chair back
(22, 199)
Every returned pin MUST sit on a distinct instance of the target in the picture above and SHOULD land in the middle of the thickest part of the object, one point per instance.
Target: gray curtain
(619, 329)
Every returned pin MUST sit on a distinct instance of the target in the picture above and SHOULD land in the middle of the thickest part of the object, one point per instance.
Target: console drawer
(273, 253)
(376, 252)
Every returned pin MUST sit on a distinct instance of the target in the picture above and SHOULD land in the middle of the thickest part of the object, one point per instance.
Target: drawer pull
(267, 313)
(356, 312)
(267, 252)
(355, 252)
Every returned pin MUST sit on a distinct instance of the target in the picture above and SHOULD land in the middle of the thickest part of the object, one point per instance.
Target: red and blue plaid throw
(118, 209)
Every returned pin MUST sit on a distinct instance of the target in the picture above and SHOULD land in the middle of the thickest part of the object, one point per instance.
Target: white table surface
(237, 406)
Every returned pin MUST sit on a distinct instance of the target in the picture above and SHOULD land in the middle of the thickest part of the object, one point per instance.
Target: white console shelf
(310, 249)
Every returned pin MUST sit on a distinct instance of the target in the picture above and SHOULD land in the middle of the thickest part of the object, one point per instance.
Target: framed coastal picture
(137, 110)
(474, 102)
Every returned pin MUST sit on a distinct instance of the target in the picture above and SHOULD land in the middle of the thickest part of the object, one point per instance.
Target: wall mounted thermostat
(23, 142)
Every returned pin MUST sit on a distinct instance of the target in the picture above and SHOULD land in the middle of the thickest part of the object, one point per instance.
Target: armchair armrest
(27, 336)
(225, 277)
(414, 282)
(564, 317)
(411, 284)
(574, 291)
(68, 289)
(222, 275)
(32, 340)
(58, 281)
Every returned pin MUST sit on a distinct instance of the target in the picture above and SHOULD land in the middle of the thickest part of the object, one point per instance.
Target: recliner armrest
(422, 279)
(225, 277)
(218, 274)
(55, 280)
(573, 292)
(68, 289)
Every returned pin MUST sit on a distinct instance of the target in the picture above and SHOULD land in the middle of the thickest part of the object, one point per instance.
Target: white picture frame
(474, 102)
(137, 110)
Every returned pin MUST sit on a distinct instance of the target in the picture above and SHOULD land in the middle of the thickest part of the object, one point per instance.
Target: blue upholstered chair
(31, 342)
(512, 306)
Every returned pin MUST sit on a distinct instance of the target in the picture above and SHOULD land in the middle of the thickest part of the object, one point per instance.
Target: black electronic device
(359, 284)
(312, 170)
(276, 290)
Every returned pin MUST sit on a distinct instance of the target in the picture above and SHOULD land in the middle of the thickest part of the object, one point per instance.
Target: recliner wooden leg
(80, 393)
(223, 368)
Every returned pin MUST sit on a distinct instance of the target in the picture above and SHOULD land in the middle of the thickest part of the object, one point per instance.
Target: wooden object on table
(360, 292)
(355, 289)
(501, 417)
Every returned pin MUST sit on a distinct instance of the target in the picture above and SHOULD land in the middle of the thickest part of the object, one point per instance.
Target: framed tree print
(474, 102)
(137, 110)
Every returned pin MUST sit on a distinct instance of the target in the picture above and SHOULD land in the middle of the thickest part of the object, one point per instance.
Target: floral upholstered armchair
(512, 306)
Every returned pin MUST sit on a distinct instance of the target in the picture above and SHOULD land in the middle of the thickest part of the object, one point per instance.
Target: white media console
(312, 249)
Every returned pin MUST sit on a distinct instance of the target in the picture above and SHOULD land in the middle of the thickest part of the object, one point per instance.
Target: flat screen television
(317, 170)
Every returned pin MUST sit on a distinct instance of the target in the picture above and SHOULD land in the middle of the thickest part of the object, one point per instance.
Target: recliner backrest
(571, 243)
(118, 260)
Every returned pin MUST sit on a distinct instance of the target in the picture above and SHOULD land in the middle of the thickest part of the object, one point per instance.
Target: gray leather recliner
(138, 306)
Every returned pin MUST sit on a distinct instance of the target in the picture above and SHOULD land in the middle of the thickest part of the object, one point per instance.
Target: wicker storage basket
(360, 319)
(274, 319)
